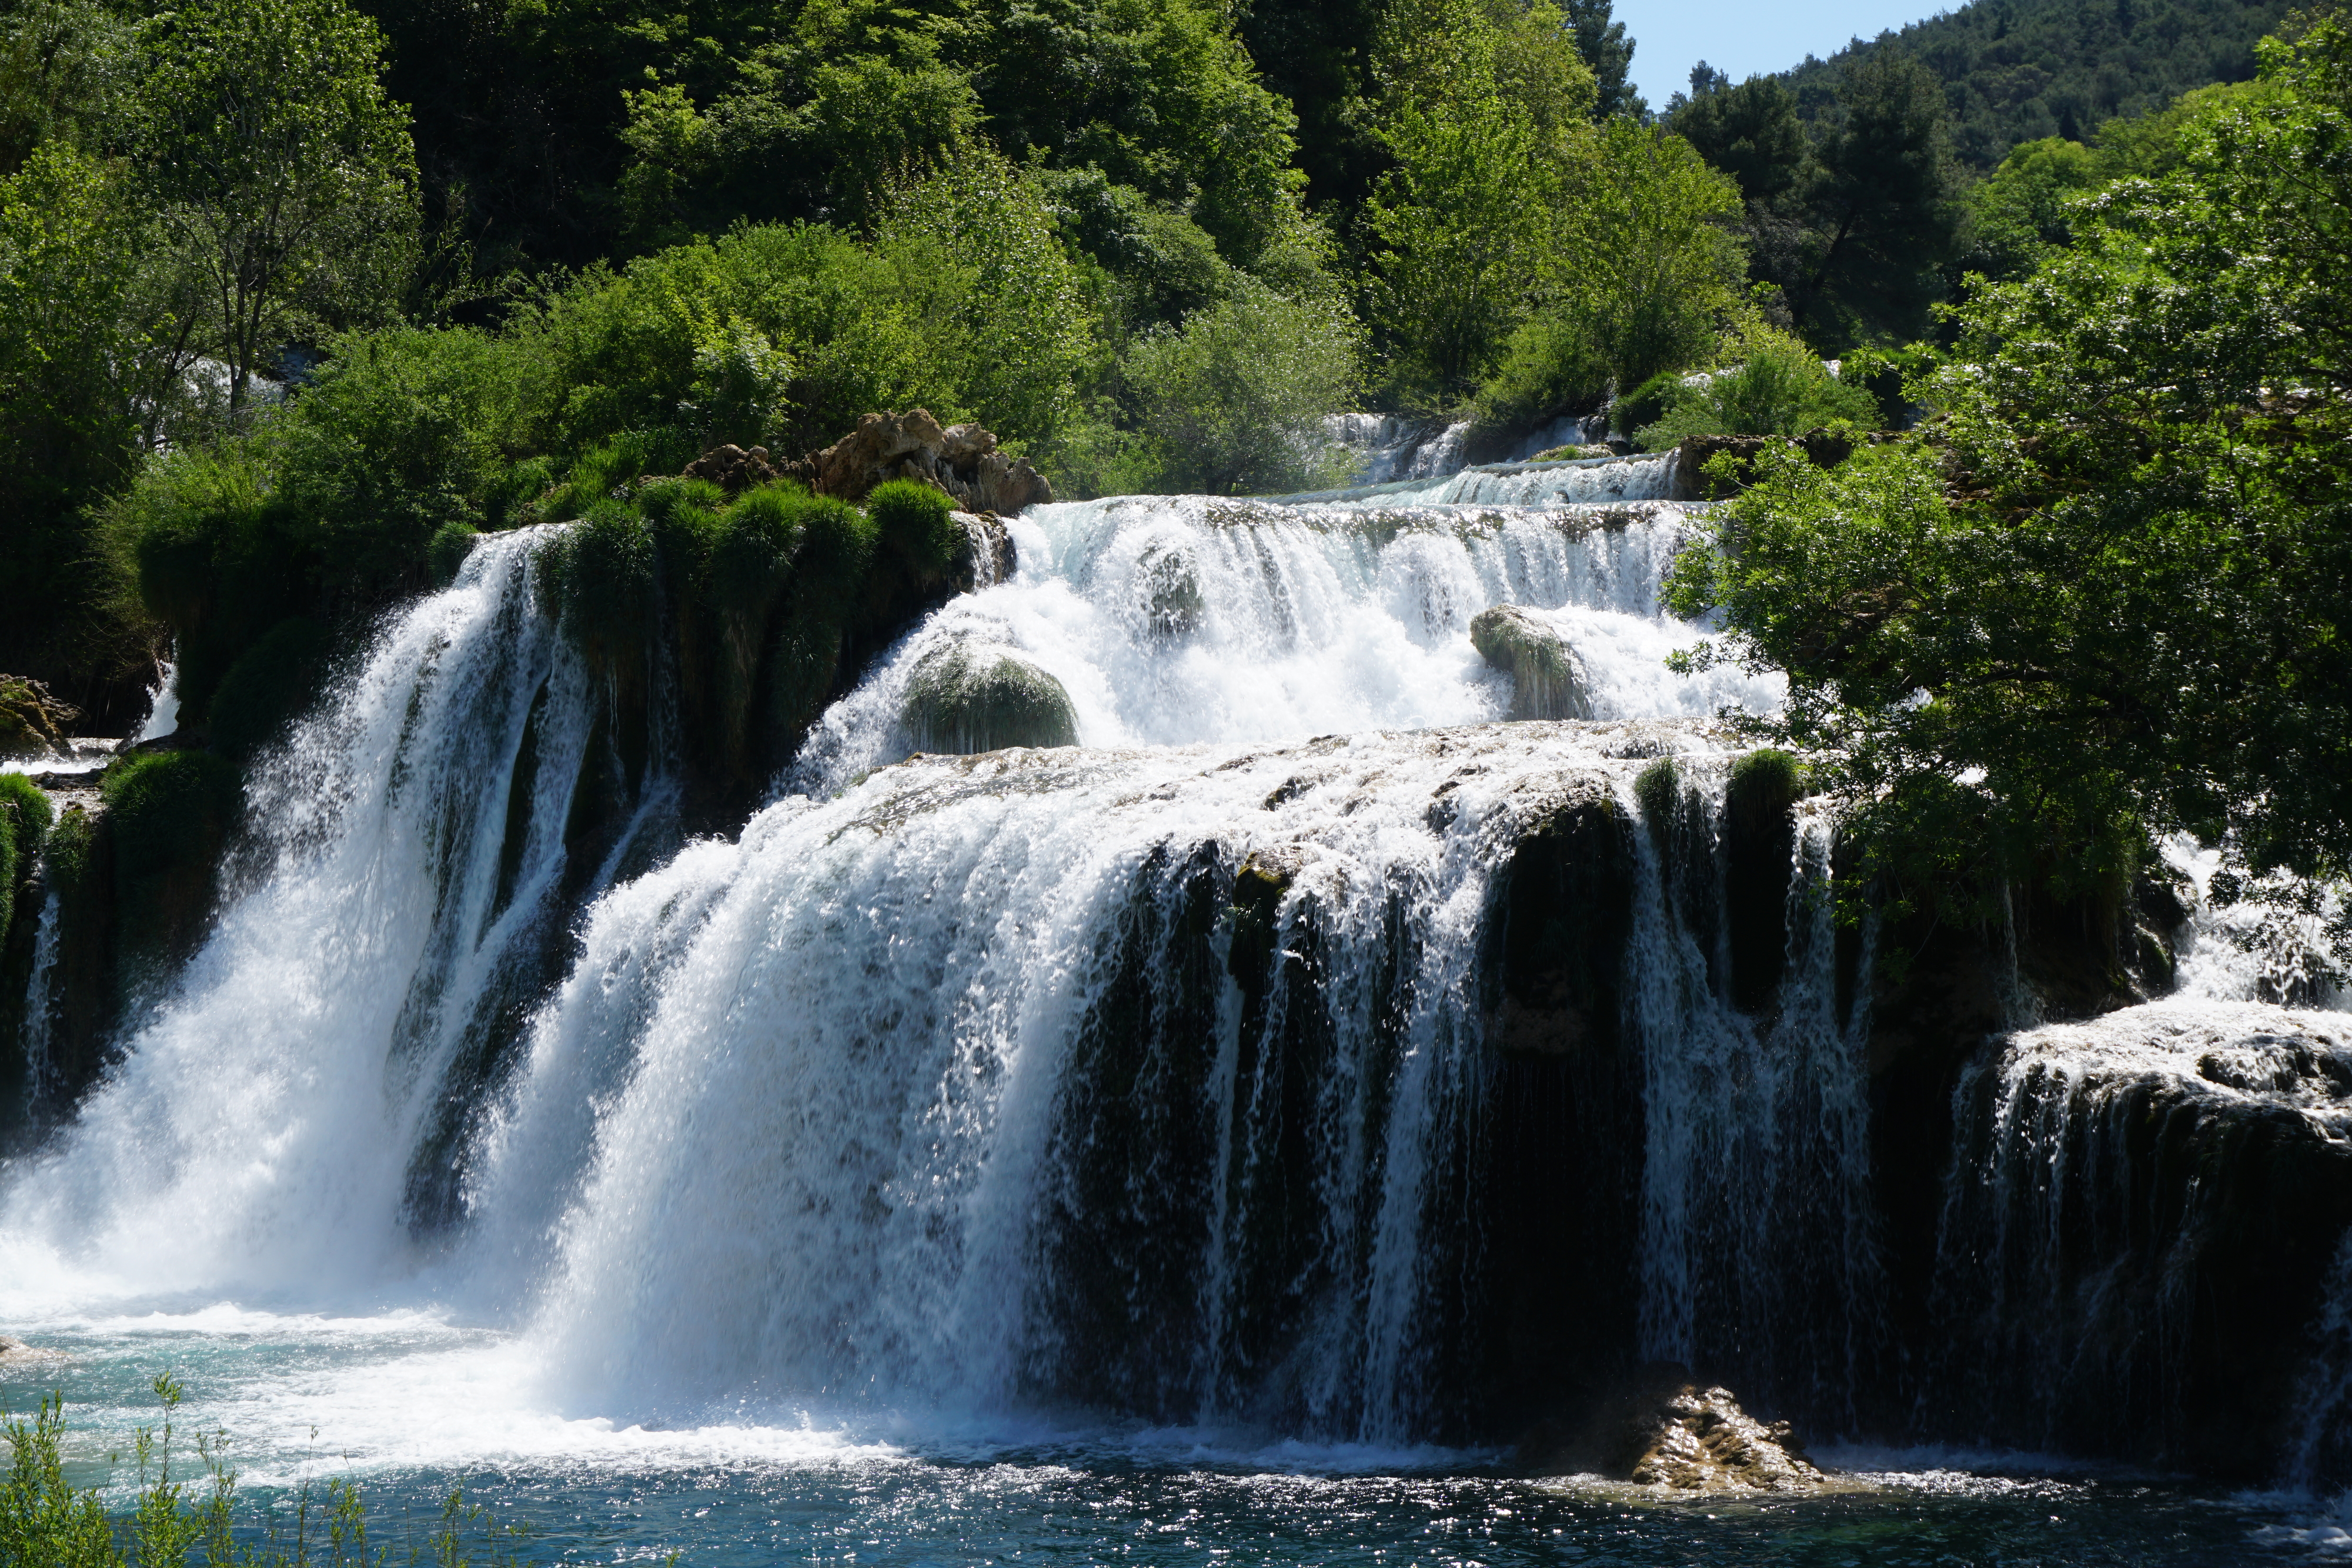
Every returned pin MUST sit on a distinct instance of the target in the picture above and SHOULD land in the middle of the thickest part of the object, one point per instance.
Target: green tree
(1235, 401)
(2113, 592)
(1609, 53)
(1482, 118)
(1883, 204)
(283, 175)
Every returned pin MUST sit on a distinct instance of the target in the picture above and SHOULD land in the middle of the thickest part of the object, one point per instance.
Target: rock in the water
(968, 699)
(1169, 583)
(32, 722)
(15, 1355)
(1699, 1439)
(961, 460)
(1544, 683)
(992, 559)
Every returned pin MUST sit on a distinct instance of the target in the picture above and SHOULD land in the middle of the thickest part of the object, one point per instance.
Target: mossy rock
(1759, 841)
(24, 822)
(168, 816)
(32, 722)
(968, 700)
(1544, 683)
(270, 685)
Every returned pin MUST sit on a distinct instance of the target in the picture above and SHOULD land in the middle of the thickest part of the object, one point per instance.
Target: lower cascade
(1305, 968)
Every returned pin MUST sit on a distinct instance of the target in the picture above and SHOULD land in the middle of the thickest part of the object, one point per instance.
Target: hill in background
(2016, 70)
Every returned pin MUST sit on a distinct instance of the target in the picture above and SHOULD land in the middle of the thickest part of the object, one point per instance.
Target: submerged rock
(1167, 581)
(1544, 683)
(967, 699)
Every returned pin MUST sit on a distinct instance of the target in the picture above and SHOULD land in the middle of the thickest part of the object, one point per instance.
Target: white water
(788, 1135)
(257, 1137)
(1314, 620)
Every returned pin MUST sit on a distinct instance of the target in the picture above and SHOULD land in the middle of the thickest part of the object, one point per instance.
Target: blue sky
(1743, 37)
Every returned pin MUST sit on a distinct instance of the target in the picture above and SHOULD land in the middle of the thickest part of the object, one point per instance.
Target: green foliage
(168, 814)
(1774, 385)
(2020, 70)
(24, 823)
(912, 522)
(282, 175)
(2118, 587)
(1608, 53)
(1481, 108)
(1235, 401)
(175, 1521)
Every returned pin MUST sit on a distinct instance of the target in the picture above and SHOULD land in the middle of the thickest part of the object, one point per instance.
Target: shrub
(24, 823)
(912, 520)
(1235, 401)
(167, 817)
(1777, 387)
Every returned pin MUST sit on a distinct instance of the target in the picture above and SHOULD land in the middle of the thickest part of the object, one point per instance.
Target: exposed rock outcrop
(970, 698)
(734, 470)
(32, 722)
(1662, 1429)
(1544, 682)
(1689, 1438)
(961, 460)
(17, 1357)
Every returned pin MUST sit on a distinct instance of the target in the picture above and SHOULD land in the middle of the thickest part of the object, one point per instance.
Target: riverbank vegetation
(185, 1513)
(2100, 594)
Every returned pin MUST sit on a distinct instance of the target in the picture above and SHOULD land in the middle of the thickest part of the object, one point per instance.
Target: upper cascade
(1174, 620)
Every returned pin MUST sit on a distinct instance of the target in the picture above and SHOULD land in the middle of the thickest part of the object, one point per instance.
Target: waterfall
(40, 1085)
(1175, 619)
(404, 845)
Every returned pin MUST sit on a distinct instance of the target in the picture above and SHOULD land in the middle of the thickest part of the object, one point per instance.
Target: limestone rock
(734, 470)
(961, 460)
(1544, 683)
(968, 698)
(16, 1356)
(1699, 1439)
(32, 722)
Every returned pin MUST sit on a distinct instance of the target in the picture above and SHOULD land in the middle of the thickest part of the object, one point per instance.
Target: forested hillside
(2016, 70)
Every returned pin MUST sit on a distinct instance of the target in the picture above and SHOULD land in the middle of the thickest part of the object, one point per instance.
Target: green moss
(913, 522)
(270, 683)
(1769, 779)
(168, 816)
(452, 543)
(1655, 791)
(970, 701)
(24, 823)
(838, 548)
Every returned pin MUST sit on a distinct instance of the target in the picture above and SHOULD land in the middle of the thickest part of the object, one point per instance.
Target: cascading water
(261, 1129)
(1304, 1053)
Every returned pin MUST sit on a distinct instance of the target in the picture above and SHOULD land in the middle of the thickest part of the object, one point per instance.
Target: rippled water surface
(411, 1406)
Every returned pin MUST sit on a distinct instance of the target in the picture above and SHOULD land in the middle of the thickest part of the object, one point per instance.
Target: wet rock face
(16, 1356)
(32, 722)
(1544, 682)
(1169, 583)
(961, 460)
(969, 699)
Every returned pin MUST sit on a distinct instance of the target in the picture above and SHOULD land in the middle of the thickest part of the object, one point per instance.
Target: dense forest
(2017, 70)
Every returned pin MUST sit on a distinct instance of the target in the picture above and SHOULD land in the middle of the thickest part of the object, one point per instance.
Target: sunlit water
(677, 1319)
